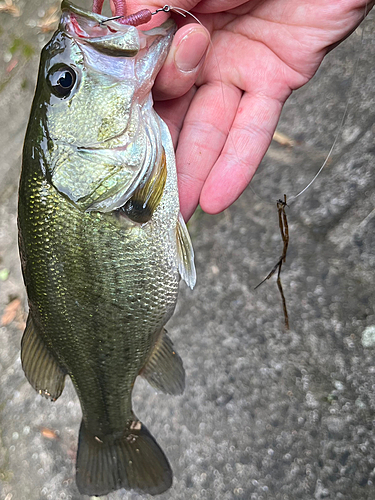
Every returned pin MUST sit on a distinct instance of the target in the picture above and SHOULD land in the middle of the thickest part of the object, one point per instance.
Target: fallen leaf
(10, 312)
(283, 139)
(50, 19)
(13, 63)
(48, 433)
(10, 8)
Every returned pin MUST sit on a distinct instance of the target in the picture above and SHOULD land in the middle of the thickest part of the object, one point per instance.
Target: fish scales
(102, 243)
(125, 270)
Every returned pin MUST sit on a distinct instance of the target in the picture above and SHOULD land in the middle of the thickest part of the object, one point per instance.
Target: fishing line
(184, 13)
(281, 205)
(144, 15)
(283, 223)
(179, 10)
(293, 198)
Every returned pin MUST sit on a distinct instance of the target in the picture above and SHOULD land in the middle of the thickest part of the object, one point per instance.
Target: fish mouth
(109, 36)
(99, 38)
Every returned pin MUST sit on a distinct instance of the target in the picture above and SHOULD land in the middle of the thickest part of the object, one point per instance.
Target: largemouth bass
(102, 242)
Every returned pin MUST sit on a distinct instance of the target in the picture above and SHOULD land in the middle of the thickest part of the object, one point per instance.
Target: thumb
(183, 63)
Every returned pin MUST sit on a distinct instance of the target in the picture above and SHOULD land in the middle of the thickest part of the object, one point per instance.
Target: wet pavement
(267, 413)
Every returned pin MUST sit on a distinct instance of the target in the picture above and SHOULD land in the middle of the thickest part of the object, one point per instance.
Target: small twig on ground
(283, 225)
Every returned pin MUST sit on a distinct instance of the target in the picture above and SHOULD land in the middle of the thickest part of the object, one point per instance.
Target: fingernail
(191, 50)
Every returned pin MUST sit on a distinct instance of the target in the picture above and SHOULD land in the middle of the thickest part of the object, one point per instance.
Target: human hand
(223, 113)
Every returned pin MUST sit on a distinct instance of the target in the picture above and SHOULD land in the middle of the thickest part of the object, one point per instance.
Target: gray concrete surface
(267, 413)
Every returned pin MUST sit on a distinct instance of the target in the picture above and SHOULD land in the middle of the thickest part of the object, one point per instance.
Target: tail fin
(133, 461)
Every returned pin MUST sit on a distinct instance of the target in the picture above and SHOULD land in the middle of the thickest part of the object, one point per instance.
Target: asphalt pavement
(267, 413)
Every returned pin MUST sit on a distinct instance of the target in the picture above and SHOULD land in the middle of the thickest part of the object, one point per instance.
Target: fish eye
(61, 80)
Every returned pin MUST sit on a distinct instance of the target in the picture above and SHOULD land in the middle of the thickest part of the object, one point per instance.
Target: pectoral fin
(146, 198)
(40, 367)
(164, 369)
(185, 253)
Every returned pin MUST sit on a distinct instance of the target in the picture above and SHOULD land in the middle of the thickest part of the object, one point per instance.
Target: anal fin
(40, 367)
(164, 369)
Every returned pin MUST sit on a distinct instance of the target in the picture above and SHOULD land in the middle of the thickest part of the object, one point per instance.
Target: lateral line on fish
(100, 292)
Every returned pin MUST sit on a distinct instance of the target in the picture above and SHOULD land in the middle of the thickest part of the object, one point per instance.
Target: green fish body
(102, 242)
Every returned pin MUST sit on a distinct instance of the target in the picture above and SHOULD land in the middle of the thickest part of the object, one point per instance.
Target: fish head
(92, 123)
